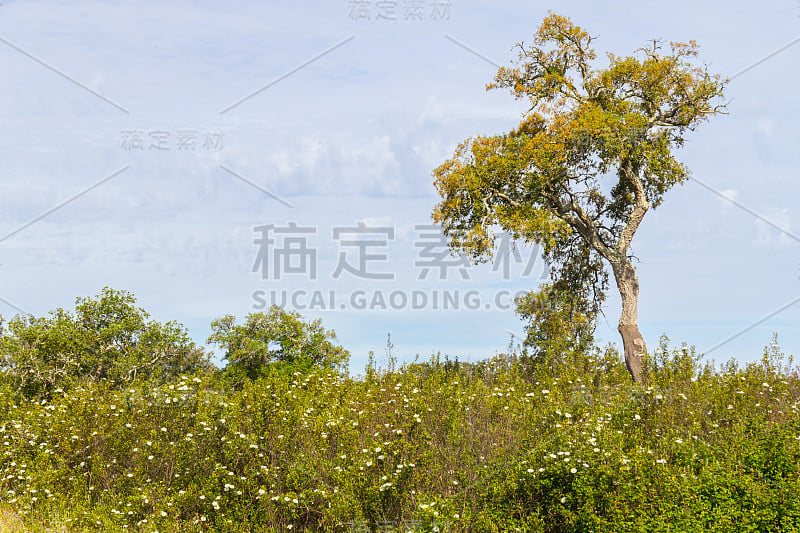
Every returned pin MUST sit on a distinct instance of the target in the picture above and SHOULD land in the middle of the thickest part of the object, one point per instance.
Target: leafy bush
(443, 445)
(276, 336)
(423, 447)
(107, 339)
(560, 326)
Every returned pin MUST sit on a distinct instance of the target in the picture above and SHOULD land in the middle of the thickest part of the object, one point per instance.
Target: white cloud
(768, 236)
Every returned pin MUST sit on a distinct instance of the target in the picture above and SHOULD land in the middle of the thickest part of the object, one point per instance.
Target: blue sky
(350, 116)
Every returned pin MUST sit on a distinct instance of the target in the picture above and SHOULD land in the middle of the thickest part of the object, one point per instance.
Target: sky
(211, 158)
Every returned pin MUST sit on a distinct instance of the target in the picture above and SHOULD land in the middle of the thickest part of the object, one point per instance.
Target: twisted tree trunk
(632, 340)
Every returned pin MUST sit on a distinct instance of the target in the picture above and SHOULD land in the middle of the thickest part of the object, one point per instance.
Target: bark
(632, 340)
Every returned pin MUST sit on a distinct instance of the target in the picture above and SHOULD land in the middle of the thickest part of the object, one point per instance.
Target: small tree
(558, 327)
(276, 336)
(107, 338)
(592, 155)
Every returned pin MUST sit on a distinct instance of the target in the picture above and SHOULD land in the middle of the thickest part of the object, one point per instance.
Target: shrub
(278, 336)
(560, 326)
(423, 447)
(107, 339)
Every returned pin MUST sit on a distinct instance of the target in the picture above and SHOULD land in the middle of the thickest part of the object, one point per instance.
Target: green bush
(106, 339)
(422, 447)
(435, 446)
(277, 336)
(560, 326)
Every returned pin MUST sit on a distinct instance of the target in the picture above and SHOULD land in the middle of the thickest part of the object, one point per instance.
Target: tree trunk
(632, 340)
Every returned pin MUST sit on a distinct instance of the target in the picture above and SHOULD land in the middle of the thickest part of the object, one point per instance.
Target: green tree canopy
(276, 336)
(106, 338)
(593, 153)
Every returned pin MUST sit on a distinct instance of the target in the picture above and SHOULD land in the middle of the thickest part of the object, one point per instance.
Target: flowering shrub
(425, 447)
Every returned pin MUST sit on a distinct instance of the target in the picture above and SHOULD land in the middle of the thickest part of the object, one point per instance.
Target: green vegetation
(595, 151)
(296, 445)
(106, 340)
(110, 421)
(276, 336)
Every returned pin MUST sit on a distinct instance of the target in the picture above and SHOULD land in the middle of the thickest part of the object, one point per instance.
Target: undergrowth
(500, 445)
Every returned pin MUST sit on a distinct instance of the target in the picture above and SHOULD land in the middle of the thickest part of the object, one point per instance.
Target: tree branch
(641, 205)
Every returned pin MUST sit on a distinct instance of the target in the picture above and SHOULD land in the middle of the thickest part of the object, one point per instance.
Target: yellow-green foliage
(594, 152)
(436, 446)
